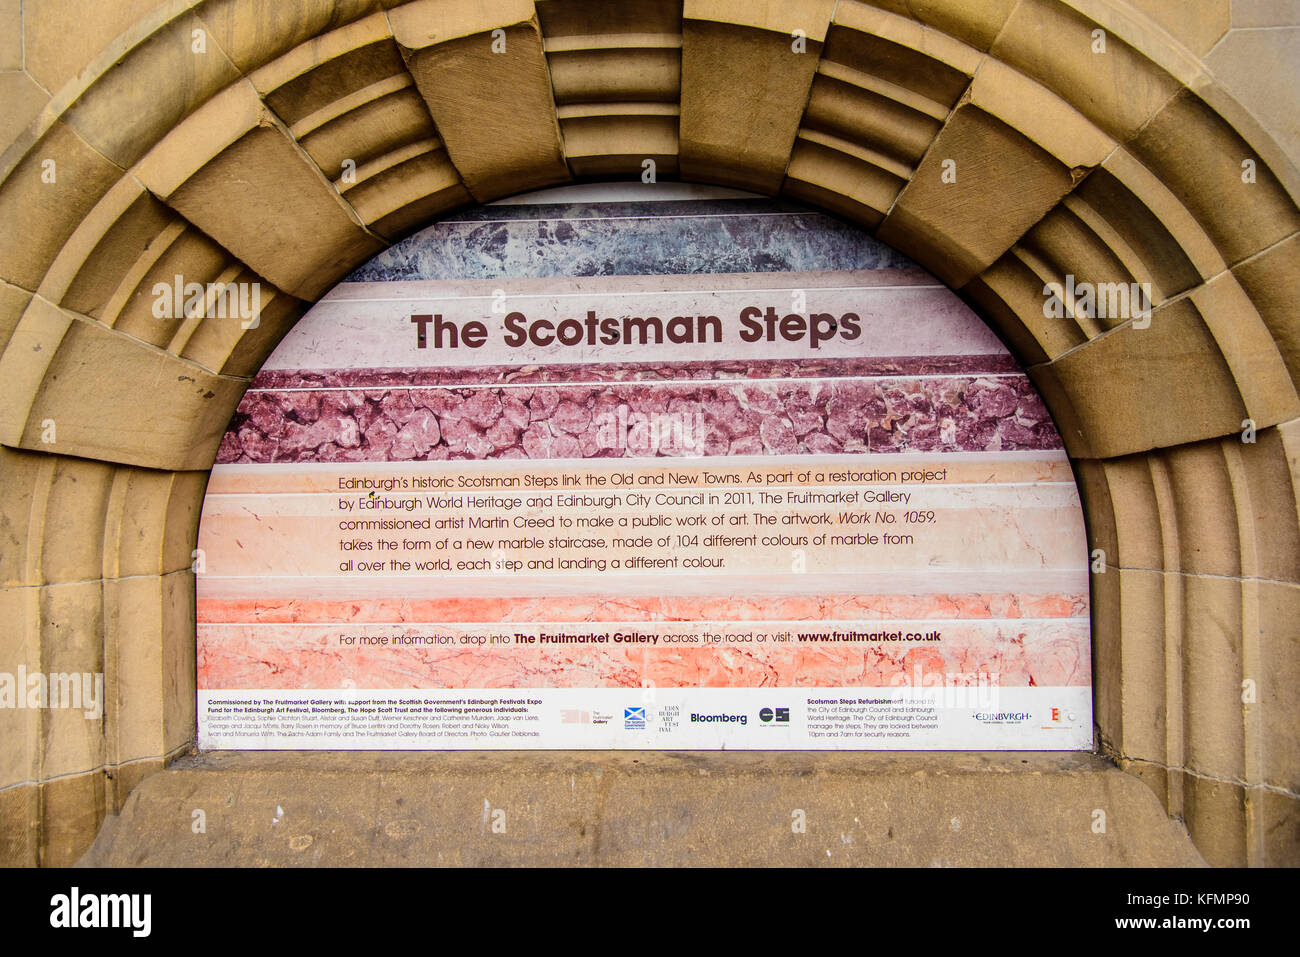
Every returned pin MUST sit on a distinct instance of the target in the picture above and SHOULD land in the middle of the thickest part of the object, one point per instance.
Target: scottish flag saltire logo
(634, 718)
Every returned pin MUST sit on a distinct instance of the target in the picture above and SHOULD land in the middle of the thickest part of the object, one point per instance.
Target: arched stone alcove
(1003, 145)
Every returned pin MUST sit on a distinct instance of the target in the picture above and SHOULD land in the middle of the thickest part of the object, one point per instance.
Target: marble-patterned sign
(669, 469)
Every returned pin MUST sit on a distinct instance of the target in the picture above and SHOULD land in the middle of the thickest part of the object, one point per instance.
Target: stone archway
(1002, 145)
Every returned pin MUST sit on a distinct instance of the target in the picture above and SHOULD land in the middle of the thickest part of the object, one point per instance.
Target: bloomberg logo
(723, 718)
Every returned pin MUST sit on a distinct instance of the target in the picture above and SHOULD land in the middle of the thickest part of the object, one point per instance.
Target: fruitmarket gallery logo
(75, 909)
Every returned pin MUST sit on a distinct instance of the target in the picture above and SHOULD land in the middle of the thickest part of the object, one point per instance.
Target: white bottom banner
(976, 717)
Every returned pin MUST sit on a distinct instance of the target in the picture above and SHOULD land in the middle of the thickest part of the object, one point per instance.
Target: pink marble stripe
(285, 657)
(682, 419)
(605, 608)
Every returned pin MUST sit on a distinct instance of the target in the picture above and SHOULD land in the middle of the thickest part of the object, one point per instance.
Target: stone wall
(1003, 144)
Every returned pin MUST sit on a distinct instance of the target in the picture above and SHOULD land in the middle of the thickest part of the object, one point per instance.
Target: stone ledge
(642, 808)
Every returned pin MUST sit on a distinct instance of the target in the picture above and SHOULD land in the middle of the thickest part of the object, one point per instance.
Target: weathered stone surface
(1277, 671)
(1004, 184)
(829, 165)
(252, 33)
(71, 629)
(1270, 280)
(1108, 652)
(315, 75)
(616, 78)
(255, 344)
(880, 123)
(147, 620)
(1137, 512)
(1201, 32)
(1130, 221)
(1264, 475)
(1212, 672)
(23, 99)
(1174, 364)
(368, 131)
(645, 809)
(216, 343)
(43, 199)
(1199, 158)
(974, 23)
(1204, 519)
(1063, 244)
(21, 727)
(1252, 355)
(909, 57)
(1145, 719)
(152, 520)
(13, 303)
(618, 139)
(616, 74)
(1215, 812)
(1117, 88)
(57, 39)
(91, 370)
(304, 237)
(743, 93)
(108, 246)
(20, 825)
(493, 110)
(71, 810)
(578, 18)
(76, 502)
(1244, 60)
(1011, 292)
(11, 35)
(1274, 815)
(1041, 116)
(1201, 535)
(808, 16)
(179, 250)
(155, 85)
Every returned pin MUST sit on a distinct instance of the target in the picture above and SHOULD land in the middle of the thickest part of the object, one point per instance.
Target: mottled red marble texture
(772, 407)
(799, 407)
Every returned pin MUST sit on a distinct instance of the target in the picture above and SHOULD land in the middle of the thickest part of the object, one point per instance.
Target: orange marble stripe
(605, 608)
(267, 657)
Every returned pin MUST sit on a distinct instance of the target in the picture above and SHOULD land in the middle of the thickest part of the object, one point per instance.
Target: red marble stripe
(678, 419)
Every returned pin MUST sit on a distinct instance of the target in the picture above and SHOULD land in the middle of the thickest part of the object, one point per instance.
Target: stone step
(642, 808)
